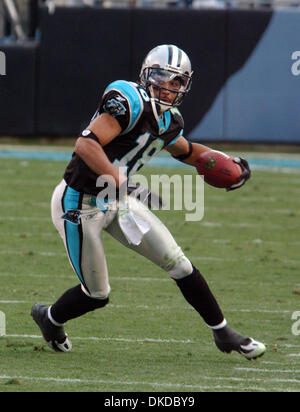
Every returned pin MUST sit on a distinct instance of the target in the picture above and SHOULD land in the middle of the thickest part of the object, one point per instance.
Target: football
(218, 169)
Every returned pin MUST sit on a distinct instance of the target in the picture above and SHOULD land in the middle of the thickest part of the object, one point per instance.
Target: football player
(133, 123)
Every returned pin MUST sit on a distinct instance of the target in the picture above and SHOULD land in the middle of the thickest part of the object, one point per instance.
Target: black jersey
(144, 134)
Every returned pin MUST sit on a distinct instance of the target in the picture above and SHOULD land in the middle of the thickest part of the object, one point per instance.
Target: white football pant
(83, 239)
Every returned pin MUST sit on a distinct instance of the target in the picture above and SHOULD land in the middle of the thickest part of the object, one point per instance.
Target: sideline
(276, 162)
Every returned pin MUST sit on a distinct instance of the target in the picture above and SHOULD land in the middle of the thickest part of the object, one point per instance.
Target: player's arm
(188, 152)
(105, 128)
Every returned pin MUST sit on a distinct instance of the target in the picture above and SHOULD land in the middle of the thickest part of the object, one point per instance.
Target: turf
(148, 339)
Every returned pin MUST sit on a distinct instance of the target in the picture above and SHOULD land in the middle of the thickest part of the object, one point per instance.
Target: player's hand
(246, 173)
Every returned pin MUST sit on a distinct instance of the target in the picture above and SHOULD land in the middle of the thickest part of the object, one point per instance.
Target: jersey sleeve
(122, 101)
(176, 138)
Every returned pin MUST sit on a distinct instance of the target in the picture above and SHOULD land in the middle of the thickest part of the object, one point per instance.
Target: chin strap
(153, 104)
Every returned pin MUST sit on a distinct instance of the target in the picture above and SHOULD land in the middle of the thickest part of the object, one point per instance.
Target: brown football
(218, 169)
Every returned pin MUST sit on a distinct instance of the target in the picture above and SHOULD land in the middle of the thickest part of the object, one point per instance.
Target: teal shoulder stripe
(130, 92)
(164, 122)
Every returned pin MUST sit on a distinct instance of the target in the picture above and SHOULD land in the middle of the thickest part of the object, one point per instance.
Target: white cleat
(228, 340)
(252, 350)
(55, 336)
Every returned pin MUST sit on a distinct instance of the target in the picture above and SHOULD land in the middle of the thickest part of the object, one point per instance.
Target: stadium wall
(260, 101)
(18, 89)
(244, 87)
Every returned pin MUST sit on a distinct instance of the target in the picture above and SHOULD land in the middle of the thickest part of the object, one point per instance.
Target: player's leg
(81, 233)
(159, 246)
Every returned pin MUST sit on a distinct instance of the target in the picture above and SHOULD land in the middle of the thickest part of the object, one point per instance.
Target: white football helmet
(162, 64)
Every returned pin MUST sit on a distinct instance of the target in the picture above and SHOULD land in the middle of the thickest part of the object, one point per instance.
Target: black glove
(246, 173)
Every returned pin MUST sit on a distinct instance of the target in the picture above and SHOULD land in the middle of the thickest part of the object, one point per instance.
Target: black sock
(197, 293)
(74, 303)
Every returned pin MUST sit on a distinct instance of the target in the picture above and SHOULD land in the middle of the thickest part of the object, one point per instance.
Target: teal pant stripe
(73, 232)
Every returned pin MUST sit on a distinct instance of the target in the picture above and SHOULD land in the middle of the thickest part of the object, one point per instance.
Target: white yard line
(164, 308)
(23, 253)
(238, 260)
(289, 346)
(267, 370)
(12, 301)
(200, 258)
(178, 238)
(151, 279)
(26, 203)
(25, 219)
(97, 339)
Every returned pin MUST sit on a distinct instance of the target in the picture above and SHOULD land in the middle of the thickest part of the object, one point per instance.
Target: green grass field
(148, 339)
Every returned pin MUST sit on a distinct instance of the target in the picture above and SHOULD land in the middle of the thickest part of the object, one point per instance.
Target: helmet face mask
(166, 68)
(158, 78)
